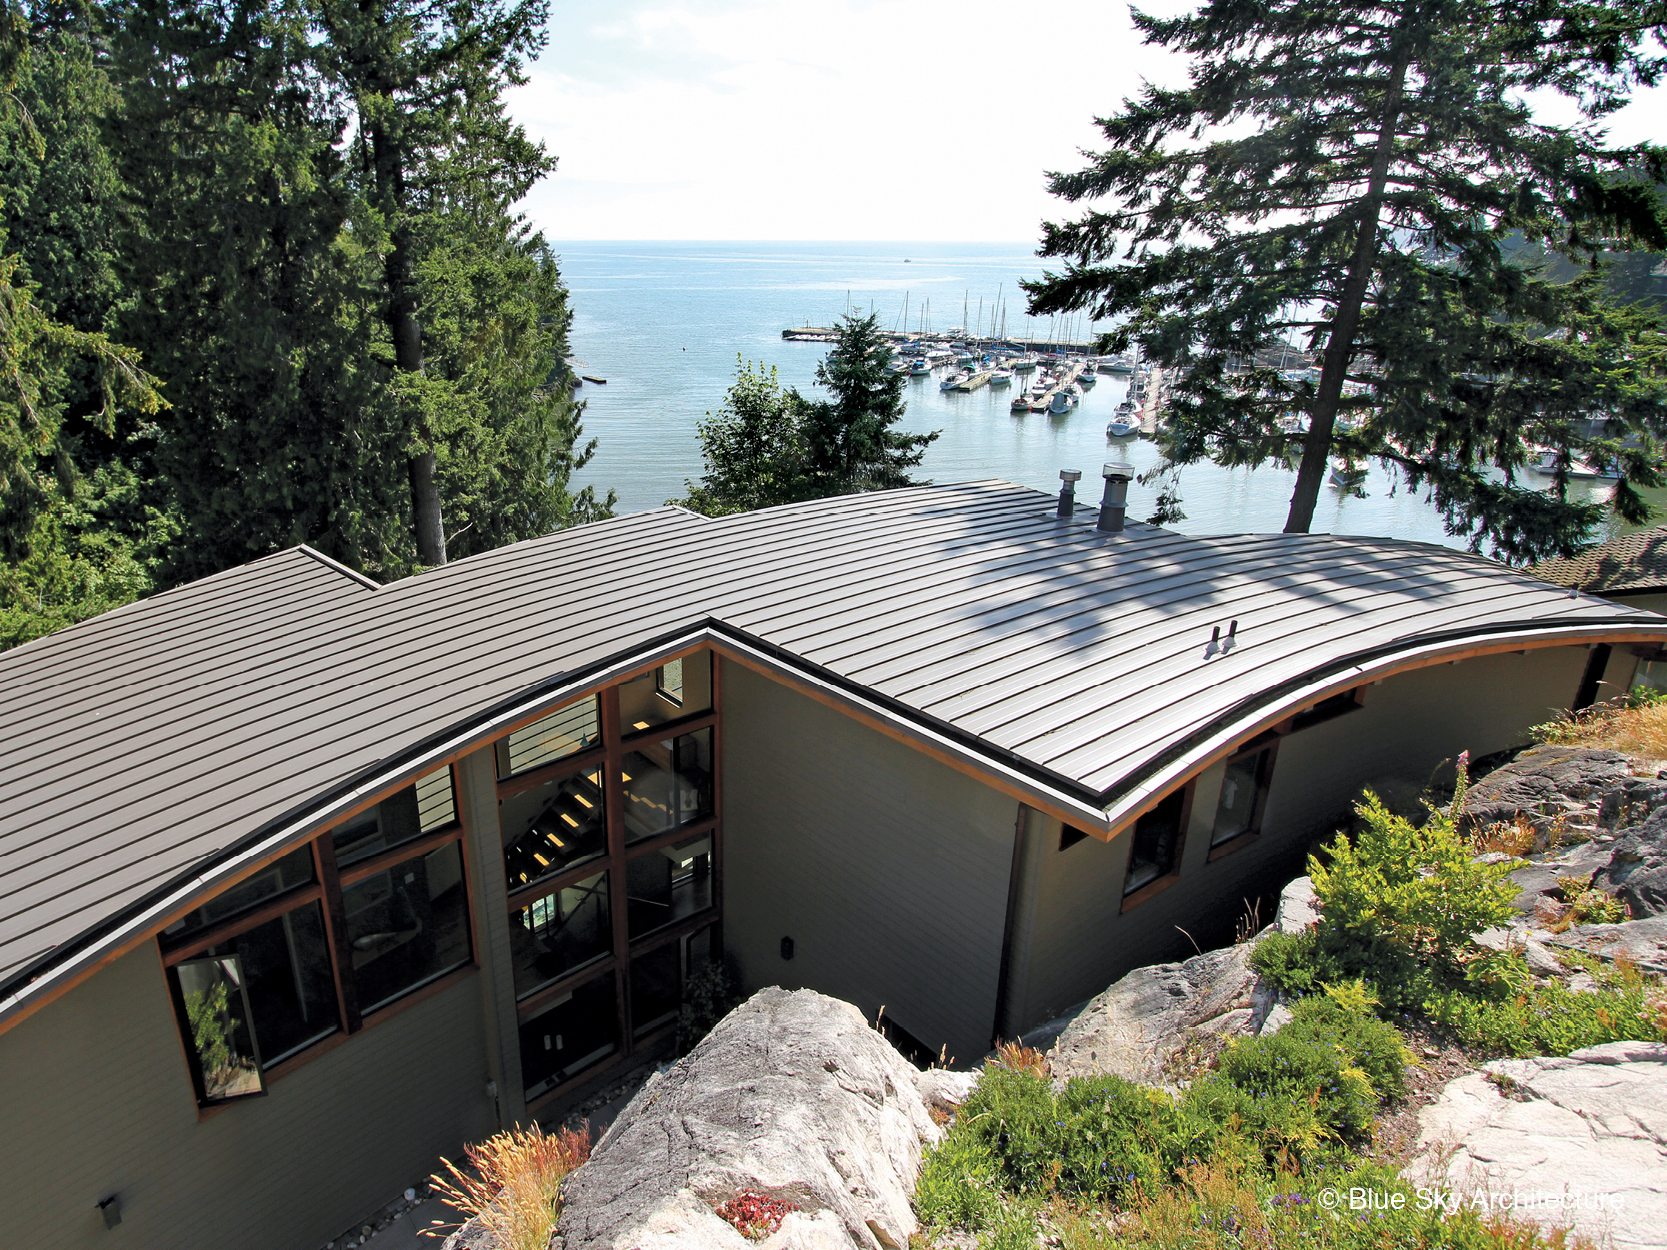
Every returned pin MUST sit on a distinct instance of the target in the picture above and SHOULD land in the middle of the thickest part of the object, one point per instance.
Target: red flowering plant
(754, 1215)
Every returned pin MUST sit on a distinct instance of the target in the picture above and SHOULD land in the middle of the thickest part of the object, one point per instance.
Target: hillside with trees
(284, 296)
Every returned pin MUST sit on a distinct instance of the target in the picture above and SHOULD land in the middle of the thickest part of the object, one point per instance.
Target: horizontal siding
(888, 869)
(95, 1099)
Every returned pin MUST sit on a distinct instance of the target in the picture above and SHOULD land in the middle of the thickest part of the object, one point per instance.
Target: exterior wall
(95, 1098)
(888, 869)
(1647, 602)
(1070, 940)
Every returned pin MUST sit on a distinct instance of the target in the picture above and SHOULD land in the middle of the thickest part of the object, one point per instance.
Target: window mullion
(618, 900)
(335, 925)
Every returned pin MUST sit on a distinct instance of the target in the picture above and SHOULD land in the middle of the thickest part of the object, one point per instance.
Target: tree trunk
(427, 525)
(1345, 322)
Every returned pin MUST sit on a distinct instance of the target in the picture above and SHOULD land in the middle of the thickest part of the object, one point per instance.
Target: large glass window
(571, 1034)
(1244, 789)
(226, 1063)
(553, 827)
(1155, 846)
(669, 884)
(292, 870)
(675, 689)
(397, 819)
(406, 925)
(564, 732)
(667, 784)
(290, 989)
(656, 988)
(552, 936)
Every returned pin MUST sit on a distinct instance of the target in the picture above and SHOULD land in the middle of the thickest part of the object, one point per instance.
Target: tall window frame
(615, 966)
(325, 890)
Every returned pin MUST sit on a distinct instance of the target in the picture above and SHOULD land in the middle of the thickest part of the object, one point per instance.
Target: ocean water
(664, 323)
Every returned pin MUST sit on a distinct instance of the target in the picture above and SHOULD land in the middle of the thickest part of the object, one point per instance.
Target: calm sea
(664, 323)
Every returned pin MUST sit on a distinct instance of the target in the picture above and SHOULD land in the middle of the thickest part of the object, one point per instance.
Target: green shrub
(1345, 1016)
(1551, 1019)
(708, 996)
(1290, 1095)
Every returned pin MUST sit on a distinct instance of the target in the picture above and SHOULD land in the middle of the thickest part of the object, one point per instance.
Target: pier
(822, 334)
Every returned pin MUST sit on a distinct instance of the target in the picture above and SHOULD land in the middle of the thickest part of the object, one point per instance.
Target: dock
(977, 380)
(823, 334)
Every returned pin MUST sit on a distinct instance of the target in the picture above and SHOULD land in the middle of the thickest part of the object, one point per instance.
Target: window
(667, 784)
(676, 689)
(213, 1001)
(611, 863)
(407, 925)
(573, 1033)
(1329, 709)
(553, 827)
(656, 989)
(1155, 845)
(669, 884)
(560, 933)
(294, 869)
(258, 974)
(564, 732)
(1244, 791)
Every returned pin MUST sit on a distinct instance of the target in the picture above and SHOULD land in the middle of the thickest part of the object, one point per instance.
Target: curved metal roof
(148, 748)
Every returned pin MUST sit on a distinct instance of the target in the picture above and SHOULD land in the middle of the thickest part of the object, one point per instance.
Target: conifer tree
(1363, 179)
(851, 440)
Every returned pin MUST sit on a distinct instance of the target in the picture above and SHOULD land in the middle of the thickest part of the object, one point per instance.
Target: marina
(637, 307)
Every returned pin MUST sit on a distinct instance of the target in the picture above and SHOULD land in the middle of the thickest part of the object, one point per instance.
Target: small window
(1155, 845)
(1328, 709)
(407, 925)
(1244, 792)
(573, 1033)
(393, 822)
(436, 801)
(225, 1056)
(668, 682)
(564, 732)
(555, 935)
(676, 689)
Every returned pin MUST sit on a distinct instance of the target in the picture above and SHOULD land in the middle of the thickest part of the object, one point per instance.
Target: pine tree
(423, 76)
(851, 440)
(1360, 177)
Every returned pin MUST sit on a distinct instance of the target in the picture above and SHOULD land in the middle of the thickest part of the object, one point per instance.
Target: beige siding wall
(95, 1099)
(1073, 940)
(888, 869)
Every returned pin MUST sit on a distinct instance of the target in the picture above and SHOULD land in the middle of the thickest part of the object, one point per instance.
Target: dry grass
(1020, 1058)
(1637, 729)
(1516, 839)
(513, 1186)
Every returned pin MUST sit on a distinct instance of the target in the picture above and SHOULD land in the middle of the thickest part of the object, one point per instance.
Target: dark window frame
(1157, 885)
(326, 889)
(1265, 743)
(609, 754)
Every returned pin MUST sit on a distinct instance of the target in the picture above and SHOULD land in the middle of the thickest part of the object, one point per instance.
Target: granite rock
(1636, 871)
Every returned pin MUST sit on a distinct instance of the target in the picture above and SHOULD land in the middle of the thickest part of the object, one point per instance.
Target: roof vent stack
(1116, 500)
(1068, 492)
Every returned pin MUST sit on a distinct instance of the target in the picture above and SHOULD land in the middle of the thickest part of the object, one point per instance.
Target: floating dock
(823, 334)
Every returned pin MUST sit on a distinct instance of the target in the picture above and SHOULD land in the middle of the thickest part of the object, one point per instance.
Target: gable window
(677, 688)
(310, 945)
(1155, 844)
(1244, 793)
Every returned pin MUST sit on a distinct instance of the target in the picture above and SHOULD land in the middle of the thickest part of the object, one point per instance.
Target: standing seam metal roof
(146, 744)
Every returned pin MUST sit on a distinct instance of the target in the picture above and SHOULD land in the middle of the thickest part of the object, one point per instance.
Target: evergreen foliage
(769, 445)
(1366, 181)
(301, 216)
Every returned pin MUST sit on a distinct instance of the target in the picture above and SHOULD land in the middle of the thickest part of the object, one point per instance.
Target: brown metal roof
(147, 746)
(1633, 563)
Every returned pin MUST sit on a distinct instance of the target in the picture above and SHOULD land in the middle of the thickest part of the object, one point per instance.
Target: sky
(931, 120)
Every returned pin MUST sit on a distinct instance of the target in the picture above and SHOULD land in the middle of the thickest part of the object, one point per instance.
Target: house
(1630, 570)
(306, 881)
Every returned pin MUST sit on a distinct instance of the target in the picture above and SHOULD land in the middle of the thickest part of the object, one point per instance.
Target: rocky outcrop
(1636, 871)
(793, 1095)
(1644, 942)
(1140, 1027)
(1545, 782)
(1580, 1140)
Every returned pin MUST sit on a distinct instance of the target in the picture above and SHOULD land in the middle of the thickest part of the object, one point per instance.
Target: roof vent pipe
(1116, 500)
(1068, 492)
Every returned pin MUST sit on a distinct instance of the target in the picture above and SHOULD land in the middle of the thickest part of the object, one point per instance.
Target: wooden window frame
(1268, 742)
(1156, 886)
(326, 888)
(609, 755)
